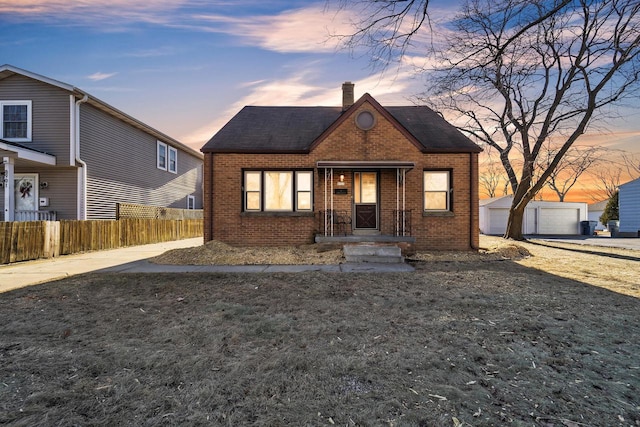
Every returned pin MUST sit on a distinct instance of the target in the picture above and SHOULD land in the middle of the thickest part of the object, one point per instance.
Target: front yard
(466, 340)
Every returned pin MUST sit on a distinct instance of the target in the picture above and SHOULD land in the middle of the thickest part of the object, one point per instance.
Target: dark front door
(366, 200)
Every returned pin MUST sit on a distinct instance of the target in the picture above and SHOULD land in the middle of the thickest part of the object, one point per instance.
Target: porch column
(328, 184)
(401, 220)
(7, 181)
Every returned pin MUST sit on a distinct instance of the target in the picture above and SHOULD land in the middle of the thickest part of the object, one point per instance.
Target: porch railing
(332, 222)
(402, 222)
(34, 216)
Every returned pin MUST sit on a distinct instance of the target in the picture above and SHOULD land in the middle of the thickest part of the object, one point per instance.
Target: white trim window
(15, 123)
(172, 166)
(278, 191)
(161, 155)
(437, 190)
(166, 157)
(191, 202)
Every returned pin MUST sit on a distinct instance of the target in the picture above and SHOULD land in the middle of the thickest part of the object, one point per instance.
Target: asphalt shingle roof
(294, 130)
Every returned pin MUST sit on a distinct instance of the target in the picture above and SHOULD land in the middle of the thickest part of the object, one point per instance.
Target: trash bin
(614, 227)
(584, 228)
(588, 228)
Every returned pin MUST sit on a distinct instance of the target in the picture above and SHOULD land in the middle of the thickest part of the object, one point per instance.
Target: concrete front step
(371, 252)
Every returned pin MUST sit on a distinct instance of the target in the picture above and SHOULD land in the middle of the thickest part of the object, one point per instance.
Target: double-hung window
(15, 125)
(166, 157)
(437, 190)
(278, 191)
(161, 156)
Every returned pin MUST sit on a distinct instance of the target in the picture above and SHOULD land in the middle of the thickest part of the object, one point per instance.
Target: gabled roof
(299, 129)
(598, 206)
(9, 70)
(490, 200)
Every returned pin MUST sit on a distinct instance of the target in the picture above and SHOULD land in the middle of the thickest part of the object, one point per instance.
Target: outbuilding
(629, 209)
(540, 217)
(595, 212)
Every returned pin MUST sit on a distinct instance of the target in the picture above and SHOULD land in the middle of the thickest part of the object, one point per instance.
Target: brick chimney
(347, 95)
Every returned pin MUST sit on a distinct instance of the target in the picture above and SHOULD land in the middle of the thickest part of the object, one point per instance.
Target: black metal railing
(332, 222)
(402, 222)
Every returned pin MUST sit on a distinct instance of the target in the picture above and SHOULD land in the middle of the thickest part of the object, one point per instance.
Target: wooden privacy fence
(22, 241)
(130, 210)
(27, 240)
(83, 236)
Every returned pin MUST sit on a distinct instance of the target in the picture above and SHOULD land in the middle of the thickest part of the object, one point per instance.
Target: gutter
(82, 192)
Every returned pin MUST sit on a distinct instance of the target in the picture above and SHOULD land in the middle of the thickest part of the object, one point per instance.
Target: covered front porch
(20, 190)
(364, 201)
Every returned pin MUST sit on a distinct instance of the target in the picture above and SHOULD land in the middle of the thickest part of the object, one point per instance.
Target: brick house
(361, 172)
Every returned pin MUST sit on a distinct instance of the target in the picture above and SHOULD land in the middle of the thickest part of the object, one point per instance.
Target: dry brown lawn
(516, 335)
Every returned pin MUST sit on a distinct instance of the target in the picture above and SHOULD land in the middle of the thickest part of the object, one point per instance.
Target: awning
(17, 151)
(364, 164)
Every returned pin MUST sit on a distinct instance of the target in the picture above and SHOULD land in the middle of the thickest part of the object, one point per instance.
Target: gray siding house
(629, 209)
(68, 155)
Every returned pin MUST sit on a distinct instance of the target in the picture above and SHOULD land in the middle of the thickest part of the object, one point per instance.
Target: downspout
(83, 195)
(473, 179)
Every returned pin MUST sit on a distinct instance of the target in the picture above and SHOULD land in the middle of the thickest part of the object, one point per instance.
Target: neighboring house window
(167, 157)
(278, 191)
(162, 156)
(16, 120)
(191, 202)
(173, 160)
(437, 191)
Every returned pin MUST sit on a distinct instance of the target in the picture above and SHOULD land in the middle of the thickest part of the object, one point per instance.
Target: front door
(25, 192)
(365, 195)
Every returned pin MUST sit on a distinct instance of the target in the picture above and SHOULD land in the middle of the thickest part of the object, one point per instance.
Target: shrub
(611, 210)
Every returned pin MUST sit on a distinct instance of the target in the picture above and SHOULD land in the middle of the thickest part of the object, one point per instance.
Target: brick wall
(456, 230)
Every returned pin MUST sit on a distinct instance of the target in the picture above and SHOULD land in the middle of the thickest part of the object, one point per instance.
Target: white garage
(559, 221)
(540, 217)
(498, 220)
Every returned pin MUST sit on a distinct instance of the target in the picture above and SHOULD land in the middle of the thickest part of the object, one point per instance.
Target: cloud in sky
(307, 29)
(72, 8)
(305, 88)
(100, 76)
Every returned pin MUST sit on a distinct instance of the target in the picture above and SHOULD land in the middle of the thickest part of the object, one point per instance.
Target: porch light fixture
(44, 184)
(341, 179)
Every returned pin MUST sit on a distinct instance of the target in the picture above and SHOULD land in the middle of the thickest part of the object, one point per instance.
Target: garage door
(498, 220)
(559, 221)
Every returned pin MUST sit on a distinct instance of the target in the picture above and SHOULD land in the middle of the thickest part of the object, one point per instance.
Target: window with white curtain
(278, 191)
(437, 190)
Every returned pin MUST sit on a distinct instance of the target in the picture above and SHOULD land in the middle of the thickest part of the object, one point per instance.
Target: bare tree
(570, 168)
(517, 73)
(388, 27)
(548, 83)
(621, 166)
(491, 176)
(631, 163)
(607, 180)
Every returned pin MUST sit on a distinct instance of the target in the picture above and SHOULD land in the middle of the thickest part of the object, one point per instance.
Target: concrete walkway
(135, 260)
(603, 241)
